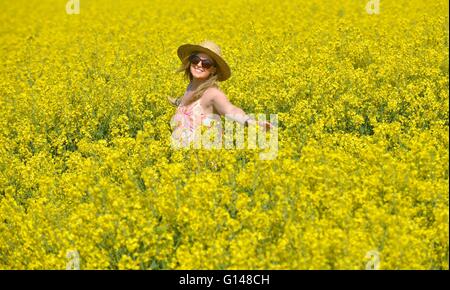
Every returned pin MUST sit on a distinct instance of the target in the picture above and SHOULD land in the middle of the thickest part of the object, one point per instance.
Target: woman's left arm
(224, 107)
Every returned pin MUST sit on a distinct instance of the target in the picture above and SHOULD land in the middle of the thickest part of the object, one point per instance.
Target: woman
(203, 102)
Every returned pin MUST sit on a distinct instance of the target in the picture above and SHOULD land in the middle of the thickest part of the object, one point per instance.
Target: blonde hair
(210, 82)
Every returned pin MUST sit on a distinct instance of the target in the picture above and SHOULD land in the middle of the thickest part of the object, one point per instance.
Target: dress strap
(196, 102)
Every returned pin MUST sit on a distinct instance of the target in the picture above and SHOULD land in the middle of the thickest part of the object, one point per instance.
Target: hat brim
(224, 71)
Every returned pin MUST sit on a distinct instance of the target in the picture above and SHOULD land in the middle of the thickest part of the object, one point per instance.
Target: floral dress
(189, 123)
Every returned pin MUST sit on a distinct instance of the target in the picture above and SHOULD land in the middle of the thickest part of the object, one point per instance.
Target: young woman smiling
(203, 102)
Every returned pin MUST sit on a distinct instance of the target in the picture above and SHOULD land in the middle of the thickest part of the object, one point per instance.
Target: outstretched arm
(224, 107)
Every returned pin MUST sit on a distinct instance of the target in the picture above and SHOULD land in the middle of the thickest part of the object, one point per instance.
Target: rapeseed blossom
(86, 165)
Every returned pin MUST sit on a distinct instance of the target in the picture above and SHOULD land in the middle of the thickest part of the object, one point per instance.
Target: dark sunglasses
(206, 63)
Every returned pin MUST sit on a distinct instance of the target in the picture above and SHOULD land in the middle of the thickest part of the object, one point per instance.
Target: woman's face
(198, 71)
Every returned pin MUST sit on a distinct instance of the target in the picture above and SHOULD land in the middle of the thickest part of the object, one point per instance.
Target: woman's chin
(200, 77)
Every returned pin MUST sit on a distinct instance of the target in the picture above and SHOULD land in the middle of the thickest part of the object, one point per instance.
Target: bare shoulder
(213, 93)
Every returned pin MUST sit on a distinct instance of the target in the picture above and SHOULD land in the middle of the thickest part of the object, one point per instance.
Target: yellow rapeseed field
(360, 179)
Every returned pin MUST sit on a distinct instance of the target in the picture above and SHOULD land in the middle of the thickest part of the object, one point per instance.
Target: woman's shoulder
(212, 92)
(213, 89)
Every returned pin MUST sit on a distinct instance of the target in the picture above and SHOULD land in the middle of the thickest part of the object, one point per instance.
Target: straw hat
(211, 49)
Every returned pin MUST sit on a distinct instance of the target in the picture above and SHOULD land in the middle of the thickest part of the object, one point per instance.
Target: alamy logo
(189, 132)
(374, 260)
(373, 7)
(74, 260)
(73, 7)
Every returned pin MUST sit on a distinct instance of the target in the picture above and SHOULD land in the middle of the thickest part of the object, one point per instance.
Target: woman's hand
(174, 101)
(264, 124)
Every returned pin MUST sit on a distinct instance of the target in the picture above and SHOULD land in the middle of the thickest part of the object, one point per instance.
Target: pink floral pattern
(188, 119)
